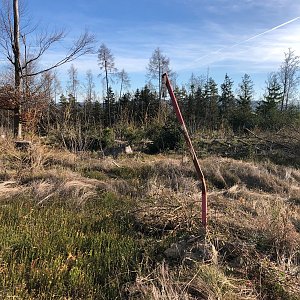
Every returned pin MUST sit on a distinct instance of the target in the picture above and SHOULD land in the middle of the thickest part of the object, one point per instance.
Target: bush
(165, 137)
(108, 137)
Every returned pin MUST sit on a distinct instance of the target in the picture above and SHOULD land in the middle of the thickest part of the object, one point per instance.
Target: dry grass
(254, 217)
(80, 189)
(253, 212)
(207, 282)
(161, 283)
(10, 189)
(45, 173)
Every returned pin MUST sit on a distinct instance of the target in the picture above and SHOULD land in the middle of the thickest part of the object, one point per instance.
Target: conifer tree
(227, 99)
(243, 116)
(268, 109)
(97, 114)
(181, 94)
(63, 108)
(124, 111)
(149, 105)
(211, 104)
(245, 95)
(200, 107)
(109, 108)
(135, 111)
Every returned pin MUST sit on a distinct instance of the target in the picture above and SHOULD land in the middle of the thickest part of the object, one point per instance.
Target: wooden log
(23, 145)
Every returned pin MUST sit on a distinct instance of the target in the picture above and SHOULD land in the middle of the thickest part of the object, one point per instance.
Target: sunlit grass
(62, 250)
(79, 227)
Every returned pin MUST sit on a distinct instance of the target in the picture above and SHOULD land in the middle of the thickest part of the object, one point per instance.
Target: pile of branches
(282, 147)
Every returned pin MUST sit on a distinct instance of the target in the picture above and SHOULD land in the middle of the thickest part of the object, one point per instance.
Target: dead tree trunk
(17, 69)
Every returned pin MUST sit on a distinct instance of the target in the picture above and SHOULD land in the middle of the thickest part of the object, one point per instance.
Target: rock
(118, 150)
(205, 252)
(176, 251)
(128, 150)
(193, 250)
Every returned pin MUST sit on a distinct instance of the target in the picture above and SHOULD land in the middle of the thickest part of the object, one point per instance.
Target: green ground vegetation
(76, 226)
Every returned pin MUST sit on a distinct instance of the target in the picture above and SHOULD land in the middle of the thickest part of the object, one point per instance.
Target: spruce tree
(268, 109)
(227, 100)
(124, 106)
(109, 108)
(243, 117)
(149, 105)
(181, 94)
(211, 97)
(200, 107)
(135, 111)
(97, 114)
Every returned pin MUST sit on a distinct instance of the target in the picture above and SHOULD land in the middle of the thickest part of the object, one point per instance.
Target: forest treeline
(83, 121)
(78, 118)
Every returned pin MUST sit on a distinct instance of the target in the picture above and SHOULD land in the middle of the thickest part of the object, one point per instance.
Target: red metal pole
(166, 82)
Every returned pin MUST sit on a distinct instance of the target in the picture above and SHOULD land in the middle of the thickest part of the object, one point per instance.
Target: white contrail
(249, 39)
(267, 31)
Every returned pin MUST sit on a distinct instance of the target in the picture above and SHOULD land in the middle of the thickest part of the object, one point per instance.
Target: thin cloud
(265, 32)
(249, 39)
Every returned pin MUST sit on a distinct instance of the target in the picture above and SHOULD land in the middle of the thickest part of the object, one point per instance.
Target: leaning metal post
(166, 84)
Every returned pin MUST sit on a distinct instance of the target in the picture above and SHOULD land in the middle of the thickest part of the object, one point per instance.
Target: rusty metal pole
(167, 84)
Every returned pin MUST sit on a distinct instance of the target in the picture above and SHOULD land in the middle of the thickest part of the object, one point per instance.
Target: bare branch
(83, 45)
(45, 41)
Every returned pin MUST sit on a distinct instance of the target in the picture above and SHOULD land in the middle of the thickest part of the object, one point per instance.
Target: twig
(116, 164)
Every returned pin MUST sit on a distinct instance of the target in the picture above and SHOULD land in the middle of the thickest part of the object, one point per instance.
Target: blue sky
(222, 36)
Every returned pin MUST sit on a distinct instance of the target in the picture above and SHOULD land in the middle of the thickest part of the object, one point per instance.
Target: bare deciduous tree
(289, 77)
(22, 51)
(89, 86)
(124, 81)
(158, 64)
(106, 62)
(73, 83)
